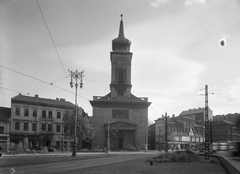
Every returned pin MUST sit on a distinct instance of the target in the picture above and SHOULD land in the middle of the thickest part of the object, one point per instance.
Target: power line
(51, 38)
(48, 84)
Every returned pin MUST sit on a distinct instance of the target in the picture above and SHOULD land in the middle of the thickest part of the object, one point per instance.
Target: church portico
(121, 135)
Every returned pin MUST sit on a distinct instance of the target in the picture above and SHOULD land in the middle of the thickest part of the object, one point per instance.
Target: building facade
(5, 114)
(120, 119)
(37, 122)
(182, 133)
(198, 114)
(225, 132)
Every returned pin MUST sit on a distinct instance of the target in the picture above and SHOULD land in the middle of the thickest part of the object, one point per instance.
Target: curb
(228, 167)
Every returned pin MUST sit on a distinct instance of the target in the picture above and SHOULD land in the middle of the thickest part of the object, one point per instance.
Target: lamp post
(76, 80)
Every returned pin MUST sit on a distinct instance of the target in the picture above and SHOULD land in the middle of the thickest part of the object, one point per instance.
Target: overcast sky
(175, 45)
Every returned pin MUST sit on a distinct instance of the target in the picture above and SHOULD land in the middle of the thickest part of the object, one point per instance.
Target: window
(34, 127)
(43, 127)
(121, 76)
(34, 112)
(17, 111)
(25, 126)
(50, 114)
(58, 128)
(26, 112)
(49, 127)
(58, 115)
(17, 125)
(1, 129)
(44, 114)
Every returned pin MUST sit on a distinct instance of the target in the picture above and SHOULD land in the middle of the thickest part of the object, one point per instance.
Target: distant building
(120, 112)
(225, 131)
(198, 114)
(228, 117)
(182, 133)
(38, 121)
(5, 114)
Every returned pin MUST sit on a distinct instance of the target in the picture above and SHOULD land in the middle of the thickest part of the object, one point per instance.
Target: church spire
(121, 43)
(121, 30)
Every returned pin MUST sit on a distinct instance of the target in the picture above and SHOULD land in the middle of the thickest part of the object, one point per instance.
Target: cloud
(229, 94)
(191, 2)
(158, 3)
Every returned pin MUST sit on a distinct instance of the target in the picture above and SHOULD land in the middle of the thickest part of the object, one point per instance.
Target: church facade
(120, 119)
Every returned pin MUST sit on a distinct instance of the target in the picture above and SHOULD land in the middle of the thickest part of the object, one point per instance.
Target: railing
(135, 99)
(45, 119)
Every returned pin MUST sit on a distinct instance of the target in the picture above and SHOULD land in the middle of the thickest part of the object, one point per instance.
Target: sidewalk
(85, 153)
(234, 161)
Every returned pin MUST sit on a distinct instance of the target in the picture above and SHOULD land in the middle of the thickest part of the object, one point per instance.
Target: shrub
(178, 156)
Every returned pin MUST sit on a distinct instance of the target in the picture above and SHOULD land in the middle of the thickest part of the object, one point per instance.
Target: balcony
(46, 119)
(47, 132)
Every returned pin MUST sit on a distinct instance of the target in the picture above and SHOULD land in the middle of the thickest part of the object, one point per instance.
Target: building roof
(5, 114)
(223, 122)
(193, 111)
(37, 101)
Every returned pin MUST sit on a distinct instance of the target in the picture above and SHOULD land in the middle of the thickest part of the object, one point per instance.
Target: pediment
(120, 125)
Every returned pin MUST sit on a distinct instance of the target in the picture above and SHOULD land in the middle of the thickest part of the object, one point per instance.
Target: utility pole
(159, 138)
(62, 136)
(75, 76)
(146, 139)
(36, 131)
(207, 132)
(166, 132)
(108, 139)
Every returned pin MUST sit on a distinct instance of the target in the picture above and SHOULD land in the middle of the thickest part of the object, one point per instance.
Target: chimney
(173, 115)
(62, 99)
(36, 95)
(57, 99)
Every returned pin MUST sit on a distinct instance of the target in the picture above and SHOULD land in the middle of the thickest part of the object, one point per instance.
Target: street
(58, 164)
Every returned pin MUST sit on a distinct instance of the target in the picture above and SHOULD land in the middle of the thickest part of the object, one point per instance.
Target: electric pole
(207, 132)
(166, 133)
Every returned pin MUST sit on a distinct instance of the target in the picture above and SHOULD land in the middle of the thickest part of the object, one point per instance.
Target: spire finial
(121, 16)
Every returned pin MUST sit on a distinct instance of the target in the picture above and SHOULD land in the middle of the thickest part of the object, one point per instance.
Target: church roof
(121, 43)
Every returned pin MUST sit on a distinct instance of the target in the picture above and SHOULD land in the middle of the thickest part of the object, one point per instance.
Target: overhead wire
(51, 38)
(48, 84)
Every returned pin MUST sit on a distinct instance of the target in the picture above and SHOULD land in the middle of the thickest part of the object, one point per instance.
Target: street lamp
(77, 76)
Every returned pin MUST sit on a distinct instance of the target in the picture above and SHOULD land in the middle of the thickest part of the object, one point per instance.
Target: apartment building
(38, 122)
(182, 132)
(5, 114)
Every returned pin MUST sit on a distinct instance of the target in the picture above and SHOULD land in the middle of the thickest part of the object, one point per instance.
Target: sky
(175, 45)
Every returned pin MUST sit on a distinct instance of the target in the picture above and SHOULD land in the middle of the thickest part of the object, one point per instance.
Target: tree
(84, 127)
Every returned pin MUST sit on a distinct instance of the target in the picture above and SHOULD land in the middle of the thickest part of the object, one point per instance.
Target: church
(120, 119)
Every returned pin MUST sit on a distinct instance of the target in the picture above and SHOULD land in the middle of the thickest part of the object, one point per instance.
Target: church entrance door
(120, 142)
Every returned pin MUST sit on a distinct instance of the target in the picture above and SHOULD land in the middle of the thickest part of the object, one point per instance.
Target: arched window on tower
(121, 76)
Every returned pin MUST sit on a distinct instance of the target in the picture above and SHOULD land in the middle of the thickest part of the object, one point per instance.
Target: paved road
(74, 165)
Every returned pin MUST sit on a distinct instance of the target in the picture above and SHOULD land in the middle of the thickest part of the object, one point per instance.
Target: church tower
(120, 119)
(121, 59)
